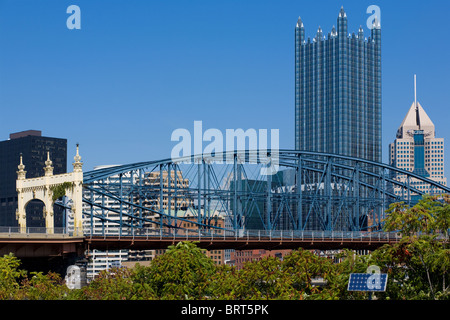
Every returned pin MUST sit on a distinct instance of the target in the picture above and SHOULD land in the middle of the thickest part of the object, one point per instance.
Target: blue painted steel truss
(310, 191)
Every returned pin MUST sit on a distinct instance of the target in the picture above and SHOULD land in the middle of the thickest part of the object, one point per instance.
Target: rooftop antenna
(415, 93)
(415, 103)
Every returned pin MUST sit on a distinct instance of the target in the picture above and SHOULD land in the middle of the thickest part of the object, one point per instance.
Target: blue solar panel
(367, 282)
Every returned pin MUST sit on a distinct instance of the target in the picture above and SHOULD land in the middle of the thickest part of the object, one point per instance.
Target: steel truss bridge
(234, 193)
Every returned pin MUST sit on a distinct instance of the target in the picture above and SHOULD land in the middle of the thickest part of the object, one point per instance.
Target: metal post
(235, 193)
(328, 193)
(121, 203)
(208, 191)
(205, 217)
(409, 190)
(199, 191)
(299, 192)
(175, 183)
(381, 217)
(92, 211)
(169, 191)
(131, 206)
(103, 210)
(356, 193)
(269, 201)
(161, 203)
(140, 197)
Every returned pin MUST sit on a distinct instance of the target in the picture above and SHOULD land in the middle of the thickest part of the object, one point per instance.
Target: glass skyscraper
(338, 91)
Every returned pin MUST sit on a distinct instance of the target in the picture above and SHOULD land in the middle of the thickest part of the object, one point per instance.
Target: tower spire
(415, 93)
(415, 104)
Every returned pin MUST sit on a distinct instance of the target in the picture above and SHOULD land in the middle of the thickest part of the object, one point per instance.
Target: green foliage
(10, 276)
(60, 190)
(264, 279)
(114, 284)
(181, 273)
(428, 216)
(417, 265)
(417, 268)
(43, 287)
(302, 266)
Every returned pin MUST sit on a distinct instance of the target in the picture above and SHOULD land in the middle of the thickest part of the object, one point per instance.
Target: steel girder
(310, 191)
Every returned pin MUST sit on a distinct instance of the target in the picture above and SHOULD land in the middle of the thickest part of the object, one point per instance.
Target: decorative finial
(333, 31)
(48, 162)
(21, 173)
(376, 23)
(48, 165)
(77, 165)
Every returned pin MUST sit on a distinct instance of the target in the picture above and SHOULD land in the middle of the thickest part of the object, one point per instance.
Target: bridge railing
(282, 235)
(212, 234)
(37, 231)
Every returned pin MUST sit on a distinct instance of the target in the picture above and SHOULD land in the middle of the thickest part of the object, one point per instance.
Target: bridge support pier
(44, 188)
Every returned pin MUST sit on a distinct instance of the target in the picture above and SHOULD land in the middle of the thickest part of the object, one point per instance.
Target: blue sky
(138, 70)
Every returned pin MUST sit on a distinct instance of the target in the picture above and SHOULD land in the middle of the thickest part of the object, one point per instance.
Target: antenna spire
(415, 103)
(415, 93)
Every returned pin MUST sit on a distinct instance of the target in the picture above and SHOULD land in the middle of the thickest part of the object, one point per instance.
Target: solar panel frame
(358, 282)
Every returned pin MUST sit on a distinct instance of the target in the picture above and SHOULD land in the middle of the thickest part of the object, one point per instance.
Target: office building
(33, 147)
(189, 226)
(417, 149)
(338, 91)
(148, 197)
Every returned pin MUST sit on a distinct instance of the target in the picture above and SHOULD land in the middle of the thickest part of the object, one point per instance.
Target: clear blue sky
(137, 70)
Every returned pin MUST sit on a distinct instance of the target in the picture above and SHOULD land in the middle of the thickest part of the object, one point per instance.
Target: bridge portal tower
(42, 188)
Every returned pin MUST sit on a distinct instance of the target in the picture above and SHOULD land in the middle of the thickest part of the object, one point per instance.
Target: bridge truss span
(234, 192)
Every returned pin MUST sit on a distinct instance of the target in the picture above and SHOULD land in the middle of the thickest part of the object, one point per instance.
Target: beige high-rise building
(417, 149)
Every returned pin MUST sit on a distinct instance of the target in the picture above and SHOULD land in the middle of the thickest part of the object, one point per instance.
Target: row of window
(426, 142)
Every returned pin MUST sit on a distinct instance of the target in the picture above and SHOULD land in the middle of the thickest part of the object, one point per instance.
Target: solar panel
(367, 282)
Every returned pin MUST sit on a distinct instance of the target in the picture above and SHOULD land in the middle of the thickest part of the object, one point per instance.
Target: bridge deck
(28, 245)
(48, 244)
(249, 240)
(137, 243)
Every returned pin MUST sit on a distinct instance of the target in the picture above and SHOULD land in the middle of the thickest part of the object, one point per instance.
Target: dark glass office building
(338, 91)
(33, 147)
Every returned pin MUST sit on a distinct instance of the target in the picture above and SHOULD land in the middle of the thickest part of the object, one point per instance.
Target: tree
(417, 265)
(339, 274)
(262, 279)
(182, 272)
(41, 286)
(112, 284)
(430, 215)
(302, 266)
(10, 276)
